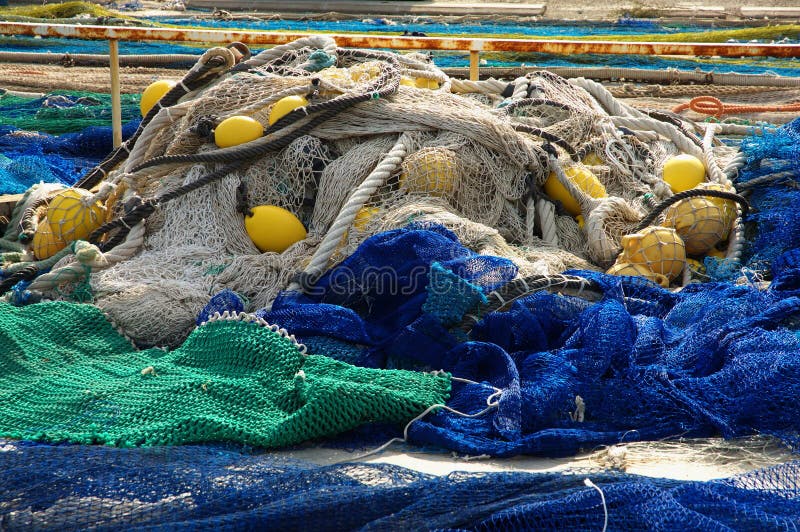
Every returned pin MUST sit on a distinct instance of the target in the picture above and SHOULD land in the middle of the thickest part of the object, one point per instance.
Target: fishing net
(198, 487)
(513, 169)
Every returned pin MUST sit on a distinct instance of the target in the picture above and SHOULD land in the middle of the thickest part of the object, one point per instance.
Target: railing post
(116, 103)
(475, 48)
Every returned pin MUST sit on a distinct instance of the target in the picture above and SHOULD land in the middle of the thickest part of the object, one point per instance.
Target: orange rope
(708, 105)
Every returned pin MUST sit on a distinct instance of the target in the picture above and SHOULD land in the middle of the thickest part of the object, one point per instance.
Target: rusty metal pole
(116, 103)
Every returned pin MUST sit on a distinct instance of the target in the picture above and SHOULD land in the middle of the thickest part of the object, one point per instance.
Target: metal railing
(474, 47)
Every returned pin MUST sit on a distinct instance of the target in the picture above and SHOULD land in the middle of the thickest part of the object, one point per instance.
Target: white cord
(602, 498)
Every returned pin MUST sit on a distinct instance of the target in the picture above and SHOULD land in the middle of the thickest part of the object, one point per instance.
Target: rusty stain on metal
(405, 43)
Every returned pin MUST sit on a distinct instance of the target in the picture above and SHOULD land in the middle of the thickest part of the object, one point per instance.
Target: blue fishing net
(714, 359)
(27, 158)
(48, 487)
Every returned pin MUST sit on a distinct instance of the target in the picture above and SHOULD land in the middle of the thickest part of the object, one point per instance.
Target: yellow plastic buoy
(408, 82)
(153, 93)
(364, 217)
(430, 170)
(45, 242)
(728, 207)
(638, 270)
(237, 130)
(698, 221)
(696, 266)
(592, 159)
(284, 106)
(659, 248)
(425, 83)
(273, 228)
(581, 178)
(365, 71)
(581, 221)
(72, 215)
(683, 172)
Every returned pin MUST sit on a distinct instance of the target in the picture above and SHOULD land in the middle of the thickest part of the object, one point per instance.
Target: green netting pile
(67, 375)
(63, 111)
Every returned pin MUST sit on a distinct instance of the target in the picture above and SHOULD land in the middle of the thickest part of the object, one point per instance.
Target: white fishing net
(466, 155)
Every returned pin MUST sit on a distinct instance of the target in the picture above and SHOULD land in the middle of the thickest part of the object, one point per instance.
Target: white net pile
(475, 157)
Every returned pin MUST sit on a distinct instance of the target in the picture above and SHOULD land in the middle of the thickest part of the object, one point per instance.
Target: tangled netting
(770, 181)
(198, 488)
(385, 139)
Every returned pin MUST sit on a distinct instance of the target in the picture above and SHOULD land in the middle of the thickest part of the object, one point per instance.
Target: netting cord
(212, 62)
(672, 133)
(692, 193)
(591, 484)
(612, 106)
(675, 121)
(530, 102)
(29, 220)
(491, 404)
(323, 42)
(25, 274)
(385, 85)
(319, 261)
(521, 287)
(546, 135)
(77, 270)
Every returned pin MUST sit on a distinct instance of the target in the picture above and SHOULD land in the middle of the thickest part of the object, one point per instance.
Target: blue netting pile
(714, 359)
(27, 158)
(772, 228)
(195, 488)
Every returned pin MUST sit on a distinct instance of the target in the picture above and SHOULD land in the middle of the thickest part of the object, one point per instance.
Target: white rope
(164, 117)
(489, 86)
(664, 129)
(714, 173)
(321, 42)
(602, 498)
(356, 201)
(547, 221)
(530, 217)
(520, 88)
(612, 106)
(76, 270)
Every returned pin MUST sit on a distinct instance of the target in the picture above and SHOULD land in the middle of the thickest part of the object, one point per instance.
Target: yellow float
(699, 222)
(592, 159)
(430, 170)
(638, 270)
(683, 172)
(237, 130)
(153, 93)
(583, 179)
(284, 106)
(364, 217)
(73, 215)
(273, 228)
(46, 243)
(659, 248)
(728, 207)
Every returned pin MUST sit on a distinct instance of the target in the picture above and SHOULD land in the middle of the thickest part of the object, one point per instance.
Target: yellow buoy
(718, 253)
(408, 82)
(592, 159)
(728, 207)
(237, 130)
(699, 222)
(659, 248)
(683, 172)
(580, 220)
(581, 178)
(425, 83)
(696, 266)
(364, 217)
(430, 170)
(273, 228)
(284, 106)
(73, 215)
(638, 270)
(365, 71)
(153, 93)
(45, 242)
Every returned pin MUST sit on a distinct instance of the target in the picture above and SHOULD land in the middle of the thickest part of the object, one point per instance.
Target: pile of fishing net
(400, 256)
(547, 172)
